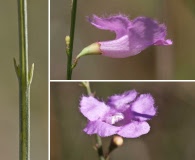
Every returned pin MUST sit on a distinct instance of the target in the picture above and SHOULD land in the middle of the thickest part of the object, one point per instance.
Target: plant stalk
(72, 29)
(25, 79)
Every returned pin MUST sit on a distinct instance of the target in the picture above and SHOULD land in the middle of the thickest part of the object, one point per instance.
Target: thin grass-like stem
(25, 79)
(70, 47)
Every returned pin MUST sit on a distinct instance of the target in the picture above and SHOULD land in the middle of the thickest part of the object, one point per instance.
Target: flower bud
(117, 140)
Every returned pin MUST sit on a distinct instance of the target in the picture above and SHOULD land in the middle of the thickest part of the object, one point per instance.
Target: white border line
(123, 80)
(48, 79)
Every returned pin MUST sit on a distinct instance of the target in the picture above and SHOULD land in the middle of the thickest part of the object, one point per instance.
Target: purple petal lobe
(101, 128)
(144, 105)
(120, 101)
(134, 129)
(118, 23)
(163, 42)
(92, 108)
(142, 33)
(145, 32)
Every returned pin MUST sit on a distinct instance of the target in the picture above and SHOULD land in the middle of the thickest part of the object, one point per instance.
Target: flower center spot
(115, 118)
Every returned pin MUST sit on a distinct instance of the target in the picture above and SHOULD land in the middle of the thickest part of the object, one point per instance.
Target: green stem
(25, 78)
(99, 147)
(98, 138)
(72, 29)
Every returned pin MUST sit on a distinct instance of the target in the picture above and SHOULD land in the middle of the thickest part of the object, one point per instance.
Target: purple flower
(131, 36)
(124, 114)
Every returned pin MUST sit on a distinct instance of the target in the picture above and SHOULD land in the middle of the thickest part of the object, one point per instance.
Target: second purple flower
(125, 114)
(132, 36)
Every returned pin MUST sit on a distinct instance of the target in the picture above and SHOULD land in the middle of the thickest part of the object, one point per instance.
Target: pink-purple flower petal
(134, 129)
(144, 107)
(101, 128)
(118, 23)
(92, 109)
(120, 101)
(163, 42)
